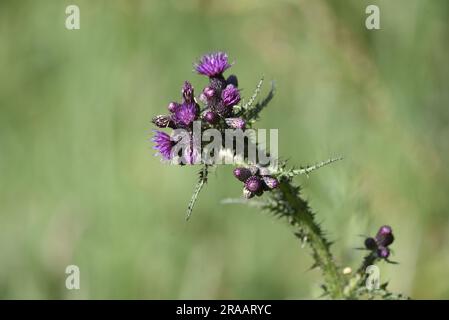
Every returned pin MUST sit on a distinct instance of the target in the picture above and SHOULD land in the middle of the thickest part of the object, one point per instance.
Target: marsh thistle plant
(220, 106)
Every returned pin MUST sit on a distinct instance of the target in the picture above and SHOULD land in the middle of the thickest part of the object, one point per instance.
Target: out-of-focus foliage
(79, 183)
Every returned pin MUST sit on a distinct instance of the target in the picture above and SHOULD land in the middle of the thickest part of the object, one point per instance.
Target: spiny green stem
(302, 217)
(201, 181)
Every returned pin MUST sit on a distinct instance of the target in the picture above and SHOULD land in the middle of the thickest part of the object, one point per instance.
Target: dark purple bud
(370, 244)
(242, 174)
(384, 236)
(230, 95)
(232, 79)
(383, 252)
(209, 92)
(247, 194)
(187, 92)
(270, 182)
(253, 184)
(236, 123)
(211, 117)
(172, 107)
(162, 121)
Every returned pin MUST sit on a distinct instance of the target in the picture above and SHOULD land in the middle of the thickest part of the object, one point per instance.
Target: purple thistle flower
(230, 95)
(185, 114)
(213, 64)
(163, 144)
(384, 236)
(242, 173)
(236, 123)
(253, 184)
(270, 182)
(187, 92)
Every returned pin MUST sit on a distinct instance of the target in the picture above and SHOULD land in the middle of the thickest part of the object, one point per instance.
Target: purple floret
(213, 64)
(185, 114)
(230, 95)
(163, 144)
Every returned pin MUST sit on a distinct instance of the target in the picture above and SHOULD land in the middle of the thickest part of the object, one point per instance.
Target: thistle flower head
(253, 184)
(163, 144)
(230, 95)
(185, 114)
(213, 64)
(242, 173)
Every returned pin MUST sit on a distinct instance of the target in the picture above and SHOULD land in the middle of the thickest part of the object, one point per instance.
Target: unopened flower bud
(172, 107)
(242, 174)
(208, 92)
(370, 244)
(211, 117)
(384, 236)
(383, 252)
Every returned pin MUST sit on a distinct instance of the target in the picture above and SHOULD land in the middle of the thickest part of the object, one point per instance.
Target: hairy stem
(309, 231)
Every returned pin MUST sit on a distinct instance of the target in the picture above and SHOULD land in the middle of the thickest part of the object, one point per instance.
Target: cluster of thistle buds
(220, 98)
(380, 243)
(256, 180)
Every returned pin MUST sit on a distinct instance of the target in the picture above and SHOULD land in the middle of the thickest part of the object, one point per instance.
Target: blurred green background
(79, 183)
